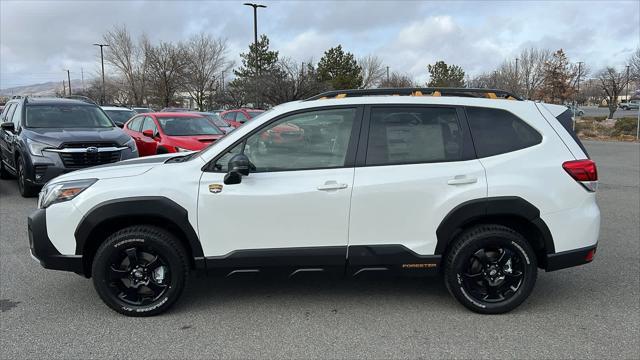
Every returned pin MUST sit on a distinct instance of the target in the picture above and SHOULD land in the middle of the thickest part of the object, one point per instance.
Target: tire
(26, 189)
(140, 290)
(482, 266)
(4, 174)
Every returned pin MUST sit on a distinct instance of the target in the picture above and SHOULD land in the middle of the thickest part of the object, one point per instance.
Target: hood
(124, 168)
(56, 137)
(195, 142)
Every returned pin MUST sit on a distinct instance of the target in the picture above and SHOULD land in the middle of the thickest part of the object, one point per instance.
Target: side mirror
(8, 126)
(232, 178)
(238, 166)
(148, 133)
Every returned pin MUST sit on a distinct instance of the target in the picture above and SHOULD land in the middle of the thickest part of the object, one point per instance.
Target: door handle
(332, 185)
(462, 179)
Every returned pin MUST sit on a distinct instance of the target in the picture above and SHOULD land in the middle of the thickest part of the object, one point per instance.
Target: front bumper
(50, 165)
(43, 250)
(570, 258)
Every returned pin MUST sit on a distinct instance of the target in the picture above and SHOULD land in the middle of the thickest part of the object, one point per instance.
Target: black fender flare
(474, 210)
(152, 206)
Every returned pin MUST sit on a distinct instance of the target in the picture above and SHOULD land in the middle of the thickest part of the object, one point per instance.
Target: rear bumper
(43, 251)
(570, 258)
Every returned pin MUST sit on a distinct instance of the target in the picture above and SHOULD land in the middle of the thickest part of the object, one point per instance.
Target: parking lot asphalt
(603, 111)
(592, 311)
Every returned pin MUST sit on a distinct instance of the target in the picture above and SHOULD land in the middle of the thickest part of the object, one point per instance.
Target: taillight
(584, 172)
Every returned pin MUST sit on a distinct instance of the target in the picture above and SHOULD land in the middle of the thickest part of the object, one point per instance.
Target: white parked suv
(474, 184)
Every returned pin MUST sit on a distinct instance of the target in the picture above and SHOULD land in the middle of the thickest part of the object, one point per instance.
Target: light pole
(69, 80)
(102, 61)
(626, 96)
(255, 43)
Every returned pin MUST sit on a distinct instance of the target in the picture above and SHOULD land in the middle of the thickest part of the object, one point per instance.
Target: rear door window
(134, 124)
(497, 131)
(413, 135)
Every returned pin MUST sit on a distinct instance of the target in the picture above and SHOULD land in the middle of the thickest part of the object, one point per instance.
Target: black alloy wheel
(494, 274)
(140, 270)
(138, 276)
(490, 269)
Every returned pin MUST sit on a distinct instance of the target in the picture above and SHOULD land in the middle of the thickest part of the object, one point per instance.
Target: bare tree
(531, 70)
(129, 59)
(292, 81)
(206, 60)
(634, 63)
(373, 71)
(167, 63)
(613, 83)
(397, 80)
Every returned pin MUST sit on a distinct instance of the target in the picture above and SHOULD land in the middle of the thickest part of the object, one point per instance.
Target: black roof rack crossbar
(418, 91)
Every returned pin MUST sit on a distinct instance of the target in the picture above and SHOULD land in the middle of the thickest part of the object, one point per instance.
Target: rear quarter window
(497, 131)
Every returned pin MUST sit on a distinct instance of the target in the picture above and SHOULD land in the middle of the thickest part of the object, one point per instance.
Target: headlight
(179, 149)
(36, 147)
(62, 191)
(131, 144)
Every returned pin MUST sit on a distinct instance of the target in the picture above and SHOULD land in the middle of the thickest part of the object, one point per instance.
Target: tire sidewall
(102, 262)
(457, 268)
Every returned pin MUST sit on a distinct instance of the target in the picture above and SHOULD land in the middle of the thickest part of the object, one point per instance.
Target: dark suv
(42, 138)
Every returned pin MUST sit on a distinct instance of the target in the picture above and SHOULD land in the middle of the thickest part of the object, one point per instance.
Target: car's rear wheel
(140, 270)
(26, 189)
(490, 269)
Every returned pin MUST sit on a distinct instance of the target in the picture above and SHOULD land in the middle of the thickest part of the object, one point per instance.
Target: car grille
(73, 157)
(80, 160)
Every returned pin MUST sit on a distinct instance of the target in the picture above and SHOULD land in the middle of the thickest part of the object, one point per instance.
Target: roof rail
(81, 98)
(428, 91)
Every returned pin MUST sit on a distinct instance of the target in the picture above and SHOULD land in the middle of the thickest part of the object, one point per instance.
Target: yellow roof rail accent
(491, 95)
(436, 93)
(416, 93)
(340, 96)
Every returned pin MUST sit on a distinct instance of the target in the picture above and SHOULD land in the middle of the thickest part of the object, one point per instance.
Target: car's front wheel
(140, 270)
(26, 189)
(490, 269)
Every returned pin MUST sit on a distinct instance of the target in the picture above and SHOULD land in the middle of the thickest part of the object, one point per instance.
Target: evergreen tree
(339, 69)
(557, 85)
(443, 75)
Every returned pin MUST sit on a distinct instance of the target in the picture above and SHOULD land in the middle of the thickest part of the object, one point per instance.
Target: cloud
(38, 39)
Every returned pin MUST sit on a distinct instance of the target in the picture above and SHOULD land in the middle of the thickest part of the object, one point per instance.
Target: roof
(174, 114)
(115, 108)
(54, 100)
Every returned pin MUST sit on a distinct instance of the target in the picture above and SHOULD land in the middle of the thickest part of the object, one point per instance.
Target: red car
(160, 133)
(238, 117)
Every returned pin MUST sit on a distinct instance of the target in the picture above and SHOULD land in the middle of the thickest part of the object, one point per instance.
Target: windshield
(120, 116)
(254, 114)
(66, 116)
(216, 120)
(186, 126)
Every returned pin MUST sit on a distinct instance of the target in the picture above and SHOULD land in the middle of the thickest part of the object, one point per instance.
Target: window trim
(350, 157)
(468, 149)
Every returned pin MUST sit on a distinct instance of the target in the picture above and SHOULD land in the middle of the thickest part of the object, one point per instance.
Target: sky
(39, 39)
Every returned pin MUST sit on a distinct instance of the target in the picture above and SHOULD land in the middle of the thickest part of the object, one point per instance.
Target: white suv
(475, 184)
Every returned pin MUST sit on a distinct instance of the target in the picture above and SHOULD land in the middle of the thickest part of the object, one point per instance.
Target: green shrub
(625, 126)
